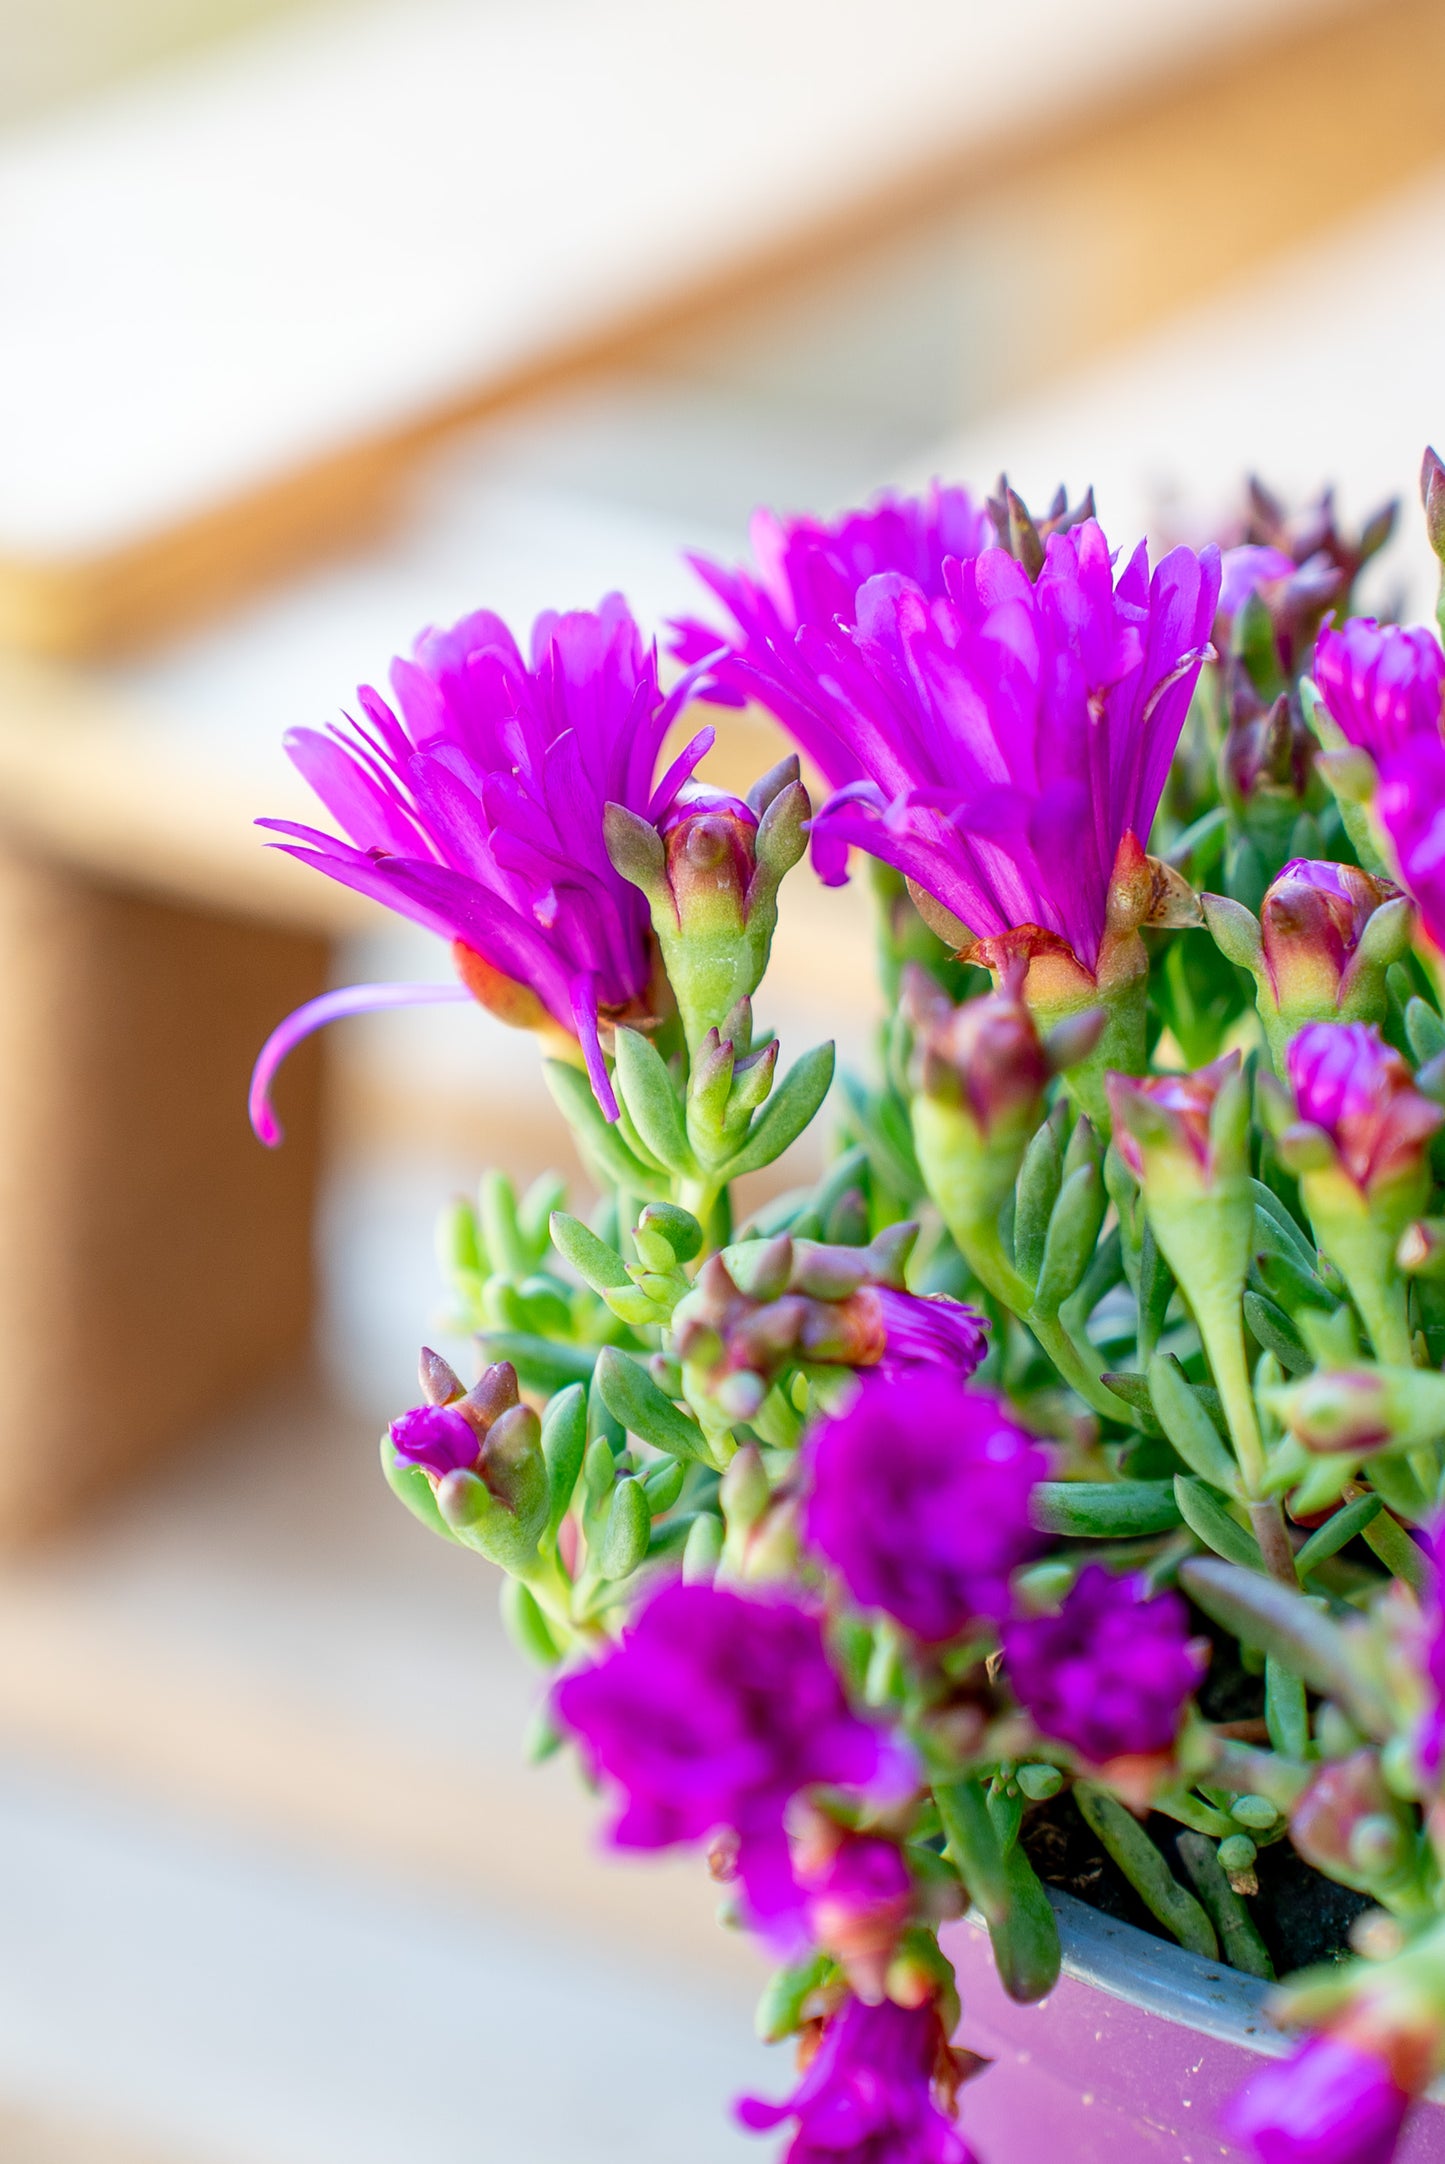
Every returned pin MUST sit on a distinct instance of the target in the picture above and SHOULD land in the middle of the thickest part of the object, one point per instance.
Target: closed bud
(440, 1384)
(1432, 496)
(1341, 1798)
(1328, 934)
(711, 877)
(1361, 1409)
(745, 1491)
(492, 1394)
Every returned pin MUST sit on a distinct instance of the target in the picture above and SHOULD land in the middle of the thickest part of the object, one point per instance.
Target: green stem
(1223, 1337)
(982, 1250)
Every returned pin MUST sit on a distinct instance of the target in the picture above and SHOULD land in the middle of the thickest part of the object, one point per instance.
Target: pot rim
(1164, 1980)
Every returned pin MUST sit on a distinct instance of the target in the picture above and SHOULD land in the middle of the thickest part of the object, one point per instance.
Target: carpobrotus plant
(1068, 1456)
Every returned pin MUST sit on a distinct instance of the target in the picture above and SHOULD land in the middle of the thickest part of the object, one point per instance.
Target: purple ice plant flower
(1349, 1082)
(475, 807)
(1110, 1673)
(1012, 737)
(919, 1499)
(808, 571)
(870, 2093)
(1410, 802)
(1330, 2103)
(1381, 684)
(930, 1330)
(439, 1438)
(713, 1713)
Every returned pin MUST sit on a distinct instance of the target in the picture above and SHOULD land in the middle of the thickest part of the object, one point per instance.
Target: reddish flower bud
(1319, 953)
(1354, 1087)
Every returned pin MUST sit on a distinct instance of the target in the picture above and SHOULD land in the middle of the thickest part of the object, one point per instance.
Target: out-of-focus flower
(436, 1437)
(1381, 684)
(927, 1330)
(809, 572)
(1354, 1087)
(920, 1501)
(1410, 802)
(477, 811)
(1013, 735)
(870, 2094)
(859, 1894)
(1110, 1673)
(1331, 2103)
(714, 1712)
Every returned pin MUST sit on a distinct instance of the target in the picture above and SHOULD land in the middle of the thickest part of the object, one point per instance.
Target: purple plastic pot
(1131, 2057)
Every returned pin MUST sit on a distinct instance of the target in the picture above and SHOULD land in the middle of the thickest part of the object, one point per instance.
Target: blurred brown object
(153, 1262)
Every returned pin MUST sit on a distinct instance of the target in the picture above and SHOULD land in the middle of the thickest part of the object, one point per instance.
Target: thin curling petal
(314, 1015)
(477, 809)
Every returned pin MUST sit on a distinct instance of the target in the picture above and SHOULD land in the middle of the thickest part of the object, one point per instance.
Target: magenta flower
(930, 1330)
(809, 572)
(478, 812)
(1410, 802)
(919, 1499)
(1348, 1081)
(437, 1437)
(1110, 1673)
(869, 2093)
(1331, 2103)
(1010, 736)
(1382, 684)
(714, 1712)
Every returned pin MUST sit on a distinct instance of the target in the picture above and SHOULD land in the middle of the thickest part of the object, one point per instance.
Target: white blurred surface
(1328, 366)
(227, 2005)
(269, 252)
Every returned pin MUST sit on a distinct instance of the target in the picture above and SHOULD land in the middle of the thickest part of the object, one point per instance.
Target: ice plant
(1410, 803)
(808, 572)
(1381, 684)
(881, 1644)
(1012, 738)
(476, 808)
(714, 1713)
(1110, 1674)
(919, 1499)
(1329, 2104)
(871, 2092)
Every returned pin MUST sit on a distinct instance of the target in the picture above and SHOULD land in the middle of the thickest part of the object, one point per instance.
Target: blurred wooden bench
(242, 299)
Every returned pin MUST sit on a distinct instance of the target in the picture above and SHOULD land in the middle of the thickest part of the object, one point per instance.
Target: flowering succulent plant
(1064, 1465)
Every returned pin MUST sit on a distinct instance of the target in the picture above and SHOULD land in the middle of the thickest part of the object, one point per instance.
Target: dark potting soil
(1302, 1917)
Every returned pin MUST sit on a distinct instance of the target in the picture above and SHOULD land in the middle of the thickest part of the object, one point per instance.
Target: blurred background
(321, 320)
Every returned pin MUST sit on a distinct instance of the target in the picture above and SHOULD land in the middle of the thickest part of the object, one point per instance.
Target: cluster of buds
(1024, 535)
(763, 1307)
(470, 1461)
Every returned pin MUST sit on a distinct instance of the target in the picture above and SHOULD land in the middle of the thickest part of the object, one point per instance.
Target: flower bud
(711, 877)
(1328, 933)
(439, 1438)
(1341, 1797)
(1363, 1164)
(1432, 496)
(440, 1384)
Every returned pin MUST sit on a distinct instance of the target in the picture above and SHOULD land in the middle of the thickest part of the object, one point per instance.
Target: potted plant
(1008, 1560)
